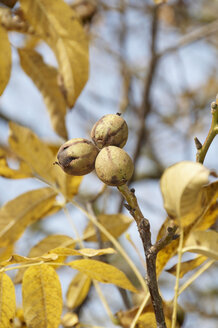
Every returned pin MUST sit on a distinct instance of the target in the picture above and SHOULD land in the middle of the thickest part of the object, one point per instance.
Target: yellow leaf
(203, 242)
(165, 255)
(27, 146)
(147, 320)
(45, 78)
(78, 290)
(5, 59)
(44, 246)
(201, 223)
(103, 272)
(51, 242)
(34, 152)
(180, 185)
(7, 301)
(157, 2)
(22, 211)
(58, 25)
(6, 252)
(188, 266)
(31, 41)
(42, 297)
(116, 224)
(186, 195)
(20, 322)
(70, 320)
(23, 171)
(89, 252)
(16, 259)
(72, 184)
(209, 217)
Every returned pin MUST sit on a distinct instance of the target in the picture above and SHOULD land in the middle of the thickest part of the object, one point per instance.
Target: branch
(202, 149)
(144, 230)
(196, 35)
(149, 250)
(145, 107)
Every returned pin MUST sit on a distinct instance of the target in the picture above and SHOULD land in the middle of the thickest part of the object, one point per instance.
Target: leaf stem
(178, 267)
(31, 264)
(104, 302)
(95, 283)
(195, 276)
(114, 242)
(202, 150)
(139, 312)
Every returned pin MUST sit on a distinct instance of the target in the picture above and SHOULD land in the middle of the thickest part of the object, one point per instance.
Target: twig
(196, 35)
(163, 242)
(145, 107)
(133, 207)
(151, 255)
(150, 250)
(202, 149)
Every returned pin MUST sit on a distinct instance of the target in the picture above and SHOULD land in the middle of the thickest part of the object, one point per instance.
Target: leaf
(157, 2)
(147, 320)
(42, 297)
(203, 242)
(82, 252)
(27, 146)
(103, 272)
(7, 301)
(187, 266)
(20, 322)
(6, 252)
(165, 255)
(58, 25)
(70, 320)
(5, 59)
(180, 185)
(147, 317)
(209, 218)
(51, 242)
(34, 152)
(22, 211)
(23, 171)
(44, 246)
(16, 259)
(202, 222)
(78, 290)
(185, 195)
(45, 78)
(116, 224)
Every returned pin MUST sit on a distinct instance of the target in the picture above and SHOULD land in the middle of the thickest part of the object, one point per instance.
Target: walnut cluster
(112, 164)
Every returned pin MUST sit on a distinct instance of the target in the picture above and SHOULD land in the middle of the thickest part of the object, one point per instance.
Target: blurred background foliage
(157, 65)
